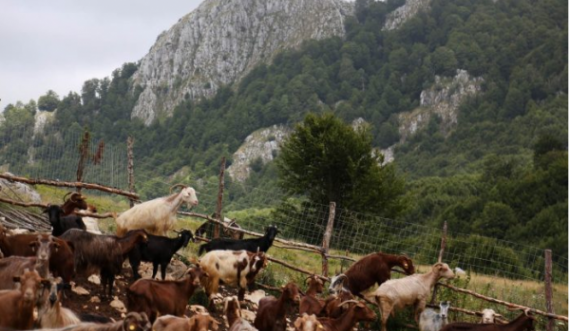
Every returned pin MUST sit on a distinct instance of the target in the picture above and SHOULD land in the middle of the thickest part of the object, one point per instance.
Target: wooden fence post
(548, 287)
(83, 154)
(440, 258)
(130, 168)
(443, 242)
(218, 214)
(327, 238)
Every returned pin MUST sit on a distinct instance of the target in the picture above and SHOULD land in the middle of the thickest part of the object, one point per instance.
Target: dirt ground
(83, 303)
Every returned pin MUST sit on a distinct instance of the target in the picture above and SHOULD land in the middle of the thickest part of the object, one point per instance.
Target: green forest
(501, 172)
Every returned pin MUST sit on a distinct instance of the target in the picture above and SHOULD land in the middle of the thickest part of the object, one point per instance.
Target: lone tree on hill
(328, 160)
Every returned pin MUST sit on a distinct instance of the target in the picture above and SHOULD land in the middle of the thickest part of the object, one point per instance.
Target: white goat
(307, 323)
(488, 316)
(234, 268)
(91, 223)
(156, 216)
(410, 290)
(51, 314)
(430, 320)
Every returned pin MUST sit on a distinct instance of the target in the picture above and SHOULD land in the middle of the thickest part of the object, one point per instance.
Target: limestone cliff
(442, 99)
(404, 13)
(221, 41)
(262, 144)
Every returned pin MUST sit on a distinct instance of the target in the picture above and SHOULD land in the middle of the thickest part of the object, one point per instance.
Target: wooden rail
(505, 303)
(88, 186)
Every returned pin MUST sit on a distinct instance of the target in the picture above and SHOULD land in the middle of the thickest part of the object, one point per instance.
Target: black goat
(158, 250)
(250, 245)
(61, 223)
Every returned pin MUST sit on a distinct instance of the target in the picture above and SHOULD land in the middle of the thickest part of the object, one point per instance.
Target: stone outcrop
(221, 41)
(262, 144)
(17, 190)
(442, 99)
(404, 13)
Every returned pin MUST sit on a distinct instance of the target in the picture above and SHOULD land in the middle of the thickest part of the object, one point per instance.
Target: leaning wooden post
(218, 214)
(548, 287)
(83, 154)
(131, 168)
(327, 238)
(440, 258)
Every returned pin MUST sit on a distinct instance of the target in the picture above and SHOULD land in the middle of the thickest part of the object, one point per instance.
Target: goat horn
(65, 196)
(75, 196)
(177, 185)
(306, 279)
(348, 301)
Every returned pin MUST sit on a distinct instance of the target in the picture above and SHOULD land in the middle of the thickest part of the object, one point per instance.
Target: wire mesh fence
(360, 234)
(54, 155)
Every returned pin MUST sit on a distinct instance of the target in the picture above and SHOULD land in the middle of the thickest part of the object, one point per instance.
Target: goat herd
(37, 268)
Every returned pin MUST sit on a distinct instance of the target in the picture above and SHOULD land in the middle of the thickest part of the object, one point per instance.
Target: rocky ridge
(442, 99)
(221, 41)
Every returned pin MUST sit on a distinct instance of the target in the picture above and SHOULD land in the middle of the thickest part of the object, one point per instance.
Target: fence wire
(358, 234)
(54, 155)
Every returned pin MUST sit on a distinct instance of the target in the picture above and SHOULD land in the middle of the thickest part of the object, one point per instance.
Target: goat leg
(163, 270)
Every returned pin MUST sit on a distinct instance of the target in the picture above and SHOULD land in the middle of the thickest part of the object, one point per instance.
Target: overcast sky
(59, 44)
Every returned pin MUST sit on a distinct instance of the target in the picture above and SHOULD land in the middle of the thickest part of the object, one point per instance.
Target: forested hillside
(500, 171)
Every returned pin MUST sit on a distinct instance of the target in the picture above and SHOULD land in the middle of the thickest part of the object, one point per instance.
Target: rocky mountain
(221, 41)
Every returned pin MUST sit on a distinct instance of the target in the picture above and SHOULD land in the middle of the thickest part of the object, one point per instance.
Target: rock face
(41, 119)
(442, 99)
(404, 13)
(262, 144)
(221, 41)
(16, 190)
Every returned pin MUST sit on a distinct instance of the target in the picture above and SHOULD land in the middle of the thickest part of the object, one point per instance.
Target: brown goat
(357, 311)
(310, 304)
(271, 312)
(523, 322)
(232, 310)
(198, 322)
(371, 269)
(163, 297)
(75, 201)
(333, 305)
(234, 320)
(132, 322)
(102, 252)
(17, 306)
(61, 262)
(15, 265)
